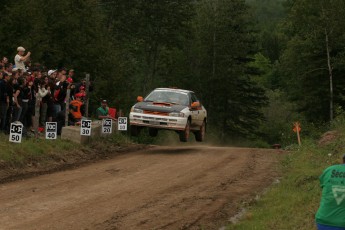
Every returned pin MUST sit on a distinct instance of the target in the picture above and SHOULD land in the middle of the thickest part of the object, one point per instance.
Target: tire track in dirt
(162, 188)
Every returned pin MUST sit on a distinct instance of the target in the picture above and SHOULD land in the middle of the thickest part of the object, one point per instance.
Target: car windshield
(171, 97)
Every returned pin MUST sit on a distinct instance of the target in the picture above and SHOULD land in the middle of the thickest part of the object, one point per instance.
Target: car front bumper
(158, 121)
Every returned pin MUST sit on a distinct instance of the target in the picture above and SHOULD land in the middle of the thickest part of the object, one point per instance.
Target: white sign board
(107, 126)
(16, 133)
(51, 130)
(85, 129)
(122, 123)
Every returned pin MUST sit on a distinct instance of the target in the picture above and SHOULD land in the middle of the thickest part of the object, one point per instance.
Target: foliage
(224, 41)
(269, 14)
(304, 62)
(233, 54)
(131, 47)
(298, 191)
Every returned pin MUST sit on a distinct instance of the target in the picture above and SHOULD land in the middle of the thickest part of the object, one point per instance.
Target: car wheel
(135, 130)
(153, 132)
(184, 135)
(200, 134)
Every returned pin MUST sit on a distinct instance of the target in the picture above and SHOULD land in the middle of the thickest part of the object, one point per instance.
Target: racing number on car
(107, 126)
(85, 128)
(51, 130)
(122, 124)
(16, 132)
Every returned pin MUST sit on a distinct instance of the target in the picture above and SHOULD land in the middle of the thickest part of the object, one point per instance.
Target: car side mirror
(195, 105)
(140, 99)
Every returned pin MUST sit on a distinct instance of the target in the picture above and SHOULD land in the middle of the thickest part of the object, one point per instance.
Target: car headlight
(174, 114)
(135, 110)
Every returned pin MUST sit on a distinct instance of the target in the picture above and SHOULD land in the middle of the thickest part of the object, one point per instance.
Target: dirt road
(160, 188)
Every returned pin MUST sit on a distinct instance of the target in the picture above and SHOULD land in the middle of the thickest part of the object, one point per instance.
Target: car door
(195, 112)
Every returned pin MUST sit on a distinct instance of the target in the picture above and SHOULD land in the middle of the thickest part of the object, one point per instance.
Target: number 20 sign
(107, 125)
(16, 132)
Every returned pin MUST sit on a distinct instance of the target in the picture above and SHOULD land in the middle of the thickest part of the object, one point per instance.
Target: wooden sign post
(36, 120)
(87, 78)
(297, 129)
(67, 101)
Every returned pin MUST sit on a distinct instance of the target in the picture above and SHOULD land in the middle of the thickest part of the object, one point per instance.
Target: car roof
(175, 90)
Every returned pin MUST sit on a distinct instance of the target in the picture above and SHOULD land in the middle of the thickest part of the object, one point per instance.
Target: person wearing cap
(103, 111)
(52, 74)
(331, 213)
(20, 59)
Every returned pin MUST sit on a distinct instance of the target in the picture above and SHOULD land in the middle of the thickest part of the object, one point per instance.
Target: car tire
(200, 134)
(184, 135)
(153, 132)
(135, 130)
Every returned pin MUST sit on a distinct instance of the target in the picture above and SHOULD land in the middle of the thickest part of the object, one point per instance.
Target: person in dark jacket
(60, 93)
(4, 100)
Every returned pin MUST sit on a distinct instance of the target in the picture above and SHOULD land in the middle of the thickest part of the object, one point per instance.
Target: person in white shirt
(19, 59)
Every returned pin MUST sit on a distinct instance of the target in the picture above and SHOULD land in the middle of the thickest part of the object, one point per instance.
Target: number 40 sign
(51, 130)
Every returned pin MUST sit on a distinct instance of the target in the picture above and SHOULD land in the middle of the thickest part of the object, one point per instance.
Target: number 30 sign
(85, 128)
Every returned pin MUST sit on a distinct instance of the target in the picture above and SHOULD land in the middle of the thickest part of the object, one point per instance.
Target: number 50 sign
(16, 132)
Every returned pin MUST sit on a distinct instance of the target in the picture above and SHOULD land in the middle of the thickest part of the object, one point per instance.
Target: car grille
(156, 113)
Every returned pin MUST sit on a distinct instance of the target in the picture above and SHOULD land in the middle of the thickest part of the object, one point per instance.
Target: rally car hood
(160, 107)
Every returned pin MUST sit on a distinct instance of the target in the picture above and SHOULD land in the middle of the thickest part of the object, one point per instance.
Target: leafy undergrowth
(292, 203)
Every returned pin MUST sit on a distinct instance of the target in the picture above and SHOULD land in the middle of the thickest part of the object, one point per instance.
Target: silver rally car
(172, 109)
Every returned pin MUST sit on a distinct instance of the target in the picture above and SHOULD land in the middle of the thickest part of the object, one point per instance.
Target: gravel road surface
(159, 188)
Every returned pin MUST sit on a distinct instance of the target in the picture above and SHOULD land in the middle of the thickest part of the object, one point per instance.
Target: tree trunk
(214, 58)
(330, 71)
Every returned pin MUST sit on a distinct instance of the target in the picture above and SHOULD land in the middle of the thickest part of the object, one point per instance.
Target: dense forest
(257, 65)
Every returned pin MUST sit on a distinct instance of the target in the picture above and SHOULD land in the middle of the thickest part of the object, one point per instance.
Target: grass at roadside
(293, 202)
(41, 150)
(31, 150)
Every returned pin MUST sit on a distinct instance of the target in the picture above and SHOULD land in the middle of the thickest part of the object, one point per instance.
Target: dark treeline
(257, 65)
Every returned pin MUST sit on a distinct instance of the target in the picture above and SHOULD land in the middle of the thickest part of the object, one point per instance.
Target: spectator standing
(60, 92)
(17, 109)
(44, 93)
(52, 75)
(23, 98)
(4, 60)
(10, 89)
(331, 213)
(8, 68)
(25, 101)
(103, 111)
(30, 114)
(70, 75)
(4, 100)
(15, 73)
(20, 59)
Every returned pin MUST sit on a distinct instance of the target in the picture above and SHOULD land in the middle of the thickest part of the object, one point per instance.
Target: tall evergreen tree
(311, 62)
(225, 40)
